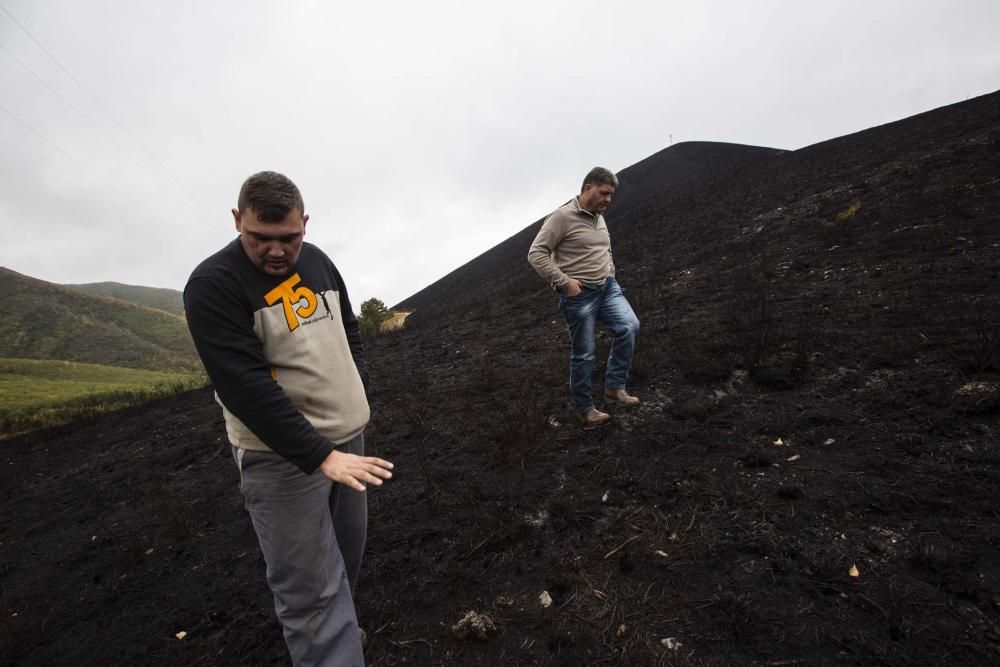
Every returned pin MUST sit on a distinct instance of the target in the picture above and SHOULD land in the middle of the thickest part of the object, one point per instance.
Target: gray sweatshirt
(284, 353)
(572, 243)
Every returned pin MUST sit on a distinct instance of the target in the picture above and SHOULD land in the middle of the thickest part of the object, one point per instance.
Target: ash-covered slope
(811, 477)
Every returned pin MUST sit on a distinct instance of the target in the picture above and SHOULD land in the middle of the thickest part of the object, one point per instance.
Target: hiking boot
(620, 397)
(594, 417)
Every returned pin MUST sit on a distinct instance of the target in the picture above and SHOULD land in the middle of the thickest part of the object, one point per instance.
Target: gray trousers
(312, 532)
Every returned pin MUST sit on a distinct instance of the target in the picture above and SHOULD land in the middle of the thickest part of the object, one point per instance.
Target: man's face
(273, 247)
(596, 197)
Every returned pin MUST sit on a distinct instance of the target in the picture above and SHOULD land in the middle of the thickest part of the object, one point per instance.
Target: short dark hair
(600, 176)
(270, 195)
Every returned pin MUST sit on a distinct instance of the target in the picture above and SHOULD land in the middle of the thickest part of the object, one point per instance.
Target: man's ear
(236, 218)
(305, 219)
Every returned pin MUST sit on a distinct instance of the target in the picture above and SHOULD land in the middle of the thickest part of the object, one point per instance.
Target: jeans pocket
(568, 302)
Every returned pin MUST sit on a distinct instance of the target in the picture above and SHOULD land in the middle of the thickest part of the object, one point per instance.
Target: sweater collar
(580, 209)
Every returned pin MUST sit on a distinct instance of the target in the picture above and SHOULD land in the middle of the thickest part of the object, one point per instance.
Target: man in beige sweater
(573, 252)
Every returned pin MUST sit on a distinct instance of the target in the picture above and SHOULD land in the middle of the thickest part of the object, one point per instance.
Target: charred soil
(812, 476)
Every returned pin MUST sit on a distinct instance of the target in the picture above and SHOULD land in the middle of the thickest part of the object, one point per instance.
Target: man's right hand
(572, 288)
(355, 471)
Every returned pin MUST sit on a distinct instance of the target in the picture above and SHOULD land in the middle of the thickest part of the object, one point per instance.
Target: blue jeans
(605, 304)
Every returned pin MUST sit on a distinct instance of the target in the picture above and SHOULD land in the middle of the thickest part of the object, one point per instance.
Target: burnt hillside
(703, 211)
(811, 478)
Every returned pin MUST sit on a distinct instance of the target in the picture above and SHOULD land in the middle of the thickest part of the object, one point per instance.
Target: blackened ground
(812, 476)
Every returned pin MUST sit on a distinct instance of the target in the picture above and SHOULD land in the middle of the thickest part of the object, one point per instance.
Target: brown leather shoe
(594, 417)
(621, 397)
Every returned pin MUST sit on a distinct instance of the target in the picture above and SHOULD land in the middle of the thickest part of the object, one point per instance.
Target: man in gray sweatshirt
(272, 322)
(573, 252)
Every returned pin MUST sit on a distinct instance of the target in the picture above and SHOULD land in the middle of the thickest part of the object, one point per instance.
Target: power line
(93, 173)
(65, 101)
(93, 99)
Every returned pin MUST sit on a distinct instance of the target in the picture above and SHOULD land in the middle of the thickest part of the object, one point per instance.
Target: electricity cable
(94, 174)
(93, 99)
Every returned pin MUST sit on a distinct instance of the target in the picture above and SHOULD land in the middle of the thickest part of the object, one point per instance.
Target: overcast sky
(420, 133)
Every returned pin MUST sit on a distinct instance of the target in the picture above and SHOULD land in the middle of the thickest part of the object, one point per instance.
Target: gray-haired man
(573, 252)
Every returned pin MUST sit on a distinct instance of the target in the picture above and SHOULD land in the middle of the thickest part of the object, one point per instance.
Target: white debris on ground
(536, 520)
(545, 599)
(671, 643)
(473, 625)
(975, 397)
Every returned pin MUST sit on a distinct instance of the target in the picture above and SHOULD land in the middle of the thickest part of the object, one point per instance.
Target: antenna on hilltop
(671, 139)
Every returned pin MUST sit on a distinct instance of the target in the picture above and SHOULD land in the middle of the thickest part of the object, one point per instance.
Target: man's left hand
(355, 471)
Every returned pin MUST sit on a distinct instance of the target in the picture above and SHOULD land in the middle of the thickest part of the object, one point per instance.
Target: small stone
(545, 599)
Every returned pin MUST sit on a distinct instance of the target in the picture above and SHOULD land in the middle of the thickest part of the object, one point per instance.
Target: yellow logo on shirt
(290, 296)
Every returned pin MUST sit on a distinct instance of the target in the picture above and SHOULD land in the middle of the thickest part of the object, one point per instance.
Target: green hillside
(170, 300)
(36, 393)
(42, 320)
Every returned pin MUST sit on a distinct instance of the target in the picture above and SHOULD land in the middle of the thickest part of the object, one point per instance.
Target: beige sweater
(572, 243)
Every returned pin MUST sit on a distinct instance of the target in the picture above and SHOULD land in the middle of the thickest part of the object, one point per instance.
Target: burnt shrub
(810, 333)
(176, 516)
(523, 422)
(977, 348)
(752, 325)
(650, 306)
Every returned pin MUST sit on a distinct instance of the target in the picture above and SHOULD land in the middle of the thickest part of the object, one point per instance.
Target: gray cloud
(420, 133)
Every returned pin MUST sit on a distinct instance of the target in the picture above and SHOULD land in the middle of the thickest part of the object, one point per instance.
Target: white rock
(671, 643)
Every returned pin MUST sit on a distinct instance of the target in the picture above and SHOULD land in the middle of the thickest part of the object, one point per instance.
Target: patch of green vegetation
(160, 298)
(46, 321)
(42, 393)
(373, 315)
